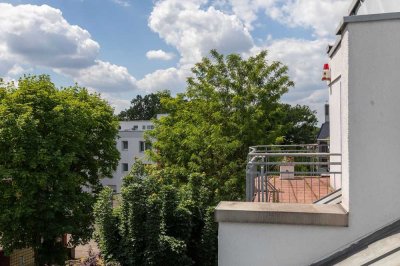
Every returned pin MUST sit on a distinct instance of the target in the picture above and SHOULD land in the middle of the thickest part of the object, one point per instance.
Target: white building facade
(132, 146)
(364, 95)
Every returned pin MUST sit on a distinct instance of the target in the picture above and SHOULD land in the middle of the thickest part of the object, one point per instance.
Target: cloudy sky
(122, 48)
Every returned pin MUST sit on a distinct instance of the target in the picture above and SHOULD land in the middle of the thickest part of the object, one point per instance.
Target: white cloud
(105, 77)
(246, 10)
(34, 36)
(40, 35)
(303, 57)
(173, 79)
(194, 30)
(119, 102)
(159, 54)
(194, 27)
(321, 16)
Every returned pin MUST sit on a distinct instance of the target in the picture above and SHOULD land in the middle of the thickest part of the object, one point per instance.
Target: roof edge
(360, 244)
(355, 5)
(365, 18)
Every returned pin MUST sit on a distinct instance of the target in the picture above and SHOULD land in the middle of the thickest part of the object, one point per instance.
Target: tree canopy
(200, 149)
(55, 145)
(144, 108)
(230, 104)
(148, 227)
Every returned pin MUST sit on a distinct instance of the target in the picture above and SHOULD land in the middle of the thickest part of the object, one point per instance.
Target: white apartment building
(132, 146)
(357, 220)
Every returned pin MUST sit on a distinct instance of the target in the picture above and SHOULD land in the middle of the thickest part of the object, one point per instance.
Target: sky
(122, 48)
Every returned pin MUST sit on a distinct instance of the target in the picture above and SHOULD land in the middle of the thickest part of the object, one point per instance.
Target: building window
(150, 127)
(125, 167)
(143, 145)
(21, 261)
(135, 127)
(125, 145)
(143, 127)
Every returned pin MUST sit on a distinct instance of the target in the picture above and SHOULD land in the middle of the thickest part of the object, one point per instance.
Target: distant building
(323, 134)
(132, 146)
(21, 257)
(323, 139)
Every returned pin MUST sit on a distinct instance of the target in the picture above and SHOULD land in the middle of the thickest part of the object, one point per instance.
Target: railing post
(250, 174)
(248, 182)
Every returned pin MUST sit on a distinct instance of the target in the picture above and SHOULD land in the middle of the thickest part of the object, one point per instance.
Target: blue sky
(122, 48)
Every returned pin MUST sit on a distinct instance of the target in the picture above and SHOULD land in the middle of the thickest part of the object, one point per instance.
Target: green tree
(53, 143)
(200, 148)
(298, 124)
(144, 108)
(230, 104)
(107, 233)
(152, 225)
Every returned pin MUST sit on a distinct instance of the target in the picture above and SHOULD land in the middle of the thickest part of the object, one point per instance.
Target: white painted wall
(374, 123)
(130, 155)
(368, 62)
(338, 88)
(379, 6)
(142, 125)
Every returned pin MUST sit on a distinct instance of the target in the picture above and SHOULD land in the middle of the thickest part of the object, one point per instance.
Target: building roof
(324, 131)
(355, 5)
(366, 18)
(381, 247)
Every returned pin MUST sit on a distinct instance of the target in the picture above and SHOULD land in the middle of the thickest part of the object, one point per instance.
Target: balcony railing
(292, 173)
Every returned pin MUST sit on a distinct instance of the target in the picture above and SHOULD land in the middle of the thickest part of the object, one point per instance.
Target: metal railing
(292, 173)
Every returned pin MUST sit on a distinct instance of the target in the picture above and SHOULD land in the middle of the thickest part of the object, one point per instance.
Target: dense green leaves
(230, 104)
(52, 144)
(151, 224)
(144, 108)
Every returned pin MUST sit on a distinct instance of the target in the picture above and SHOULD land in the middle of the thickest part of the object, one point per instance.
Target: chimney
(326, 112)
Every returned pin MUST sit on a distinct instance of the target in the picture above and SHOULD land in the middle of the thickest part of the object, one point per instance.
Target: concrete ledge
(281, 213)
(366, 18)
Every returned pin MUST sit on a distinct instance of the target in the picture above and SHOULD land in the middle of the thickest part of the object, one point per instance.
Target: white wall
(130, 155)
(142, 125)
(242, 244)
(337, 89)
(378, 6)
(374, 122)
(370, 127)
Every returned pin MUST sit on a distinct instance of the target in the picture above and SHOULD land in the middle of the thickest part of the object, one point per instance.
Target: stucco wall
(374, 122)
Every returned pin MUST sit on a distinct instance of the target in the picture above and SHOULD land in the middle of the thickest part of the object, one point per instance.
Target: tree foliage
(52, 144)
(151, 225)
(230, 104)
(144, 108)
(200, 148)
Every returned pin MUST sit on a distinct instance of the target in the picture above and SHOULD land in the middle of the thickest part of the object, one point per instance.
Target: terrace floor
(296, 190)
